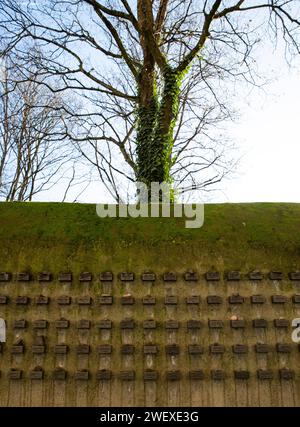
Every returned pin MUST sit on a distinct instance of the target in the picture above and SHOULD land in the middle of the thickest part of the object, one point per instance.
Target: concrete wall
(128, 303)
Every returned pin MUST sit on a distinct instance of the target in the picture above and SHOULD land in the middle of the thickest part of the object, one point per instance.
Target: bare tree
(153, 75)
(32, 152)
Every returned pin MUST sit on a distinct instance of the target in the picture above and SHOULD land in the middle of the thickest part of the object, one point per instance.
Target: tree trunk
(156, 122)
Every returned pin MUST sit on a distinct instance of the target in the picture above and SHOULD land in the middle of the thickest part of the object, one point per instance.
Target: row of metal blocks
(150, 348)
(149, 300)
(108, 324)
(152, 375)
(188, 276)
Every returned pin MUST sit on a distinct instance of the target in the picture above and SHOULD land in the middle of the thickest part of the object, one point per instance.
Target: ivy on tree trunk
(155, 130)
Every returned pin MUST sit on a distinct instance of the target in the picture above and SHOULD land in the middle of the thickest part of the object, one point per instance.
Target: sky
(266, 135)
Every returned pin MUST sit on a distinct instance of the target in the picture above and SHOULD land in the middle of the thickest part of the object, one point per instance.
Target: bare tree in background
(153, 75)
(32, 152)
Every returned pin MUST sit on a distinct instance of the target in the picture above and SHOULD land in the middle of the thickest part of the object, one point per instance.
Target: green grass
(59, 237)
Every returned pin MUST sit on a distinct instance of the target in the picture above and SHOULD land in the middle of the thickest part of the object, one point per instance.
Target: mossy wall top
(62, 236)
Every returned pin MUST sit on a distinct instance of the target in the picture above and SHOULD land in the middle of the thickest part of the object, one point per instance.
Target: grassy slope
(58, 237)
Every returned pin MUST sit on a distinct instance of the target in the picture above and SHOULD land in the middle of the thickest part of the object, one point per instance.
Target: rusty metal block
(259, 323)
(286, 374)
(194, 324)
(15, 374)
(191, 276)
(104, 375)
(17, 349)
(196, 374)
(104, 349)
(85, 276)
(65, 277)
(217, 375)
(195, 349)
(233, 276)
(64, 300)
(22, 300)
(214, 299)
(82, 375)
(105, 300)
(84, 300)
(40, 324)
(212, 276)
(193, 299)
(279, 299)
(172, 349)
(83, 349)
(62, 324)
(264, 374)
(127, 324)
(173, 375)
(37, 373)
(236, 299)
(170, 277)
(148, 277)
(281, 323)
(23, 277)
(127, 349)
(105, 324)
(171, 300)
(106, 276)
(42, 300)
(294, 275)
(61, 349)
(20, 324)
(150, 349)
(127, 375)
(283, 348)
(275, 275)
(127, 300)
(149, 324)
(258, 299)
(238, 324)
(44, 276)
(5, 277)
(39, 345)
(60, 374)
(3, 299)
(240, 349)
(150, 375)
(242, 375)
(84, 324)
(262, 348)
(126, 277)
(171, 324)
(149, 300)
(215, 324)
(217, 348)
(296, 299)
(255, 275)
(38, 349)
